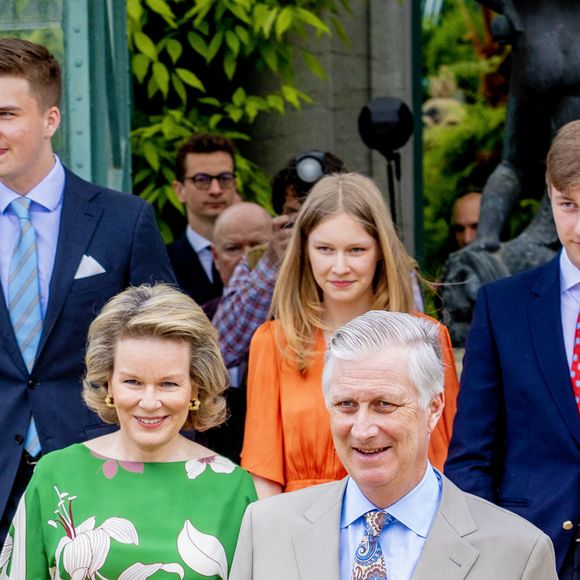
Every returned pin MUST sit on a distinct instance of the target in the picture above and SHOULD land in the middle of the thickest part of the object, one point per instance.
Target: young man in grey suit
(394, 516)
(67, 246)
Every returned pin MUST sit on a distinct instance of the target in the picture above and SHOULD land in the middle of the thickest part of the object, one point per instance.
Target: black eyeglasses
(226, 180)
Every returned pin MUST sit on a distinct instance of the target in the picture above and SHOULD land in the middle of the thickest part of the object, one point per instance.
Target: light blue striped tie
(24, 301)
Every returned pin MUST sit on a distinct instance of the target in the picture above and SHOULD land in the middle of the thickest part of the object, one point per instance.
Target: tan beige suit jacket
(295, 536)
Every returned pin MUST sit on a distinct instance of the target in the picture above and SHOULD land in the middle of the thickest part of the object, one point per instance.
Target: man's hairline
(42, 107)
(375, 353)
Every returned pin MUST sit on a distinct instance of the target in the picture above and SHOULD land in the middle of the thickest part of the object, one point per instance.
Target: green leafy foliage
(196, 66)
(451, 155)
(458, 59)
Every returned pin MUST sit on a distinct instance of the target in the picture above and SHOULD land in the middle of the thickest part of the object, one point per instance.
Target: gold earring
(194, 405)
(109, 402)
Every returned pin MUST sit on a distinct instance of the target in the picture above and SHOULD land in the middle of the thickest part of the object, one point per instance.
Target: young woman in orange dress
(344, 258)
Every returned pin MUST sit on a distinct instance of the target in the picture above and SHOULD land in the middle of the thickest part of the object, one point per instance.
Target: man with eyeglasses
(206, 184)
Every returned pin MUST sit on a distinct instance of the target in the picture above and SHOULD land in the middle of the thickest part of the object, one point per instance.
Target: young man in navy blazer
(90, 243)
(516, 437)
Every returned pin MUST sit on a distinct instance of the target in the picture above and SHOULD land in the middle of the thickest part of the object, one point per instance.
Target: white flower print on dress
(85, 548)
(203, 553)
(140, 571)
(217, 463)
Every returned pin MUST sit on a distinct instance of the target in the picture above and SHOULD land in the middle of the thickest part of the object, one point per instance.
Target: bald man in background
(465, 217)
(239, 229)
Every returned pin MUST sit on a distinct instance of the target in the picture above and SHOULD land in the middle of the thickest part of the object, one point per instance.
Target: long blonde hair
(297, 300)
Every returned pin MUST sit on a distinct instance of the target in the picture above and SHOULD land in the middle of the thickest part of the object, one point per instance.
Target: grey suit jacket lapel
(79, 218)
(446, 553)
(317, 545)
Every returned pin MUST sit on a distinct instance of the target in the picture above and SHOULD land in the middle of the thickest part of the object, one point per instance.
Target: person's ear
(52, 121)
(435, 410)
(179, 189)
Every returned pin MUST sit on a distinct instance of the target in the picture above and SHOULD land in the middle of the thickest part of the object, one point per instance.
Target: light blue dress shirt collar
(569, 274)
(569, 302)
(197, 241)
(410, 510)
(45, 212)
(403, 540)
(202, 247)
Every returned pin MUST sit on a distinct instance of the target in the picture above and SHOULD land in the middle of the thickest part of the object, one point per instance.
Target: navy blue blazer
(190, 274)
(516, 436)
(119, 231)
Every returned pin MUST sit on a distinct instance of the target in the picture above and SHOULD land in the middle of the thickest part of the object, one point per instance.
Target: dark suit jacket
(119, 231)
(516, 437)
(190, 274)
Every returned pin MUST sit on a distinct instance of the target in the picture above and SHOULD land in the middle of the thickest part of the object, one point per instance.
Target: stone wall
(376, 63)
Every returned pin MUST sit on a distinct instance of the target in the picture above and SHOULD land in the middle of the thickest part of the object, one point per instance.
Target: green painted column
(77, 87)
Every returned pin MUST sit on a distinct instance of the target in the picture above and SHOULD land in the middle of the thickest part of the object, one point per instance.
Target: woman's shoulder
(439, 324)
(267, 333)
(60, 461)
(65, 454)
(216, 466)
(419, 314)
(270, 327)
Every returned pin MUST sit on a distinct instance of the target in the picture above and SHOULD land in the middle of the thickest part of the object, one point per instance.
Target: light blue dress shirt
(569, 302)
(45, 212)
(202, 247)
(403, 540)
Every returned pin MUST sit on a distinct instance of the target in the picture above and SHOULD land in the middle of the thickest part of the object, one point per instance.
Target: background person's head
(563, 182)
(291, 185)
(383, 385)
(162, 313)
(465, 217)
(298, 300)
(238, 229)
(205, 178)
(563, 160)
(30, 85)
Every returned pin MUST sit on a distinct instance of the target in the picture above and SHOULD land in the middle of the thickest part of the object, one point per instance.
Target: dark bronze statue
(544, 95)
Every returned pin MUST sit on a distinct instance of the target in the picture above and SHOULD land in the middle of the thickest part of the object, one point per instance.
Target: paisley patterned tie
(368, 559)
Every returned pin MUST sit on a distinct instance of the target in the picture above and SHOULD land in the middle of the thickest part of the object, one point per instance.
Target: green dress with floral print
(87, 516)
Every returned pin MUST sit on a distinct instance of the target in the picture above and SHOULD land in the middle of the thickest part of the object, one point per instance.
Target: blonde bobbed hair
(297, 300)
(158, 311)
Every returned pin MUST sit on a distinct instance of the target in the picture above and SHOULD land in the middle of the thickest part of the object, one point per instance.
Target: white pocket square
(88, 267)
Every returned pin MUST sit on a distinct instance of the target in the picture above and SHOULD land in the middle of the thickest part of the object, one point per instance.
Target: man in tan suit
(394, 516)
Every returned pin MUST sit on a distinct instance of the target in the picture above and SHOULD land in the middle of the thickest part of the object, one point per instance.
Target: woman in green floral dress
(143, 501)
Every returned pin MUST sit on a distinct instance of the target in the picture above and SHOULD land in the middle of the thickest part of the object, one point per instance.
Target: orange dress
(287, 436)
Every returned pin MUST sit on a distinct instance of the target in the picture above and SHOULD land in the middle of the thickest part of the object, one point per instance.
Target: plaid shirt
(245, 306)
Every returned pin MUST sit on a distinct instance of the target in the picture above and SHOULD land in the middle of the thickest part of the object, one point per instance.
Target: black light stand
(385, 124)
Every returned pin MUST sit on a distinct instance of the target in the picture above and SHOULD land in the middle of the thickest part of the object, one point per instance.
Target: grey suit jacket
(295, 536)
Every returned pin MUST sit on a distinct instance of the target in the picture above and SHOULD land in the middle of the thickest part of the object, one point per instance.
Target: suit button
(19, 439)
(32, 383)
(567, 525)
